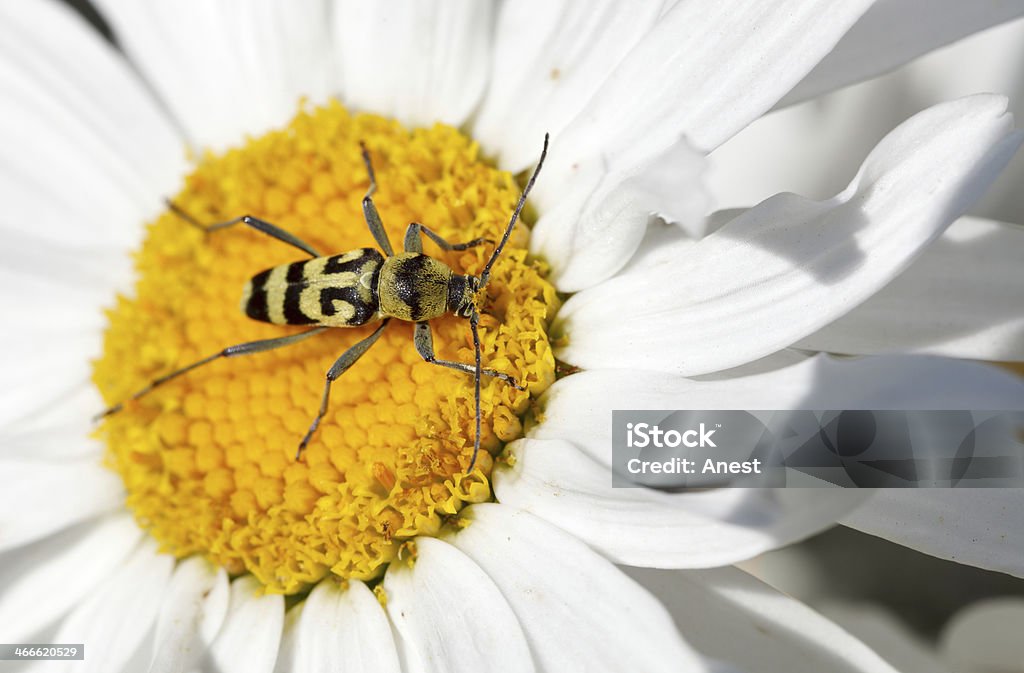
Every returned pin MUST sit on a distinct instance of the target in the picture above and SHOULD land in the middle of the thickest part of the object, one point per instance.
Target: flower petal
(91, 164)
(790, 266)
(603, 215)
(68, 440)
(732, 616)
(80, 558)
(981, 527)
(343, 629)
(56, 292)
(118, 615)
(421, 62)
(894, 32)
(249, 638)
(605, 621)
(286, 660)
(960, 298)
(814, 147)
(88, 153)
(35, 379)
(38, 497)
(449, 615)
(769, 363)
(701, 92)
(562, 473)
(192, 613)
(47, 422)
(985, 636)
(226, 68)
(550, 57)
(638, 526)
(578, 408)
(676, 81)
(93, 271)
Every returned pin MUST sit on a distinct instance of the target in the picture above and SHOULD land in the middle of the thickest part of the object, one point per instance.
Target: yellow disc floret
(208, 460)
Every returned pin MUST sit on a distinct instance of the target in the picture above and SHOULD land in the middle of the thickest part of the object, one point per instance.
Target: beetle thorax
(413, 286)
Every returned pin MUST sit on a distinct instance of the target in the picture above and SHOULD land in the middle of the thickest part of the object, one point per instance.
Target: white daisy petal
(550, 56)
(449, 615)
(732, 616)
(33, 300)
(960, 298)
(286, 657)
(640, 526)
(770, 363)
(33, 380)
(665, 243)
(676, 81)
(53, 442)
(47, 353)
(421, 62)
(38, 497)
(661, 243)
(599, 222)
(111, 153)
(84, 162)
(985, 636)
(195, 606)
(981, 527)
(249, 638)
(118, 615)
(790, 266)
(227, 67)
(55, 427)
(813, 148)
(578, 408)
(605, 621)
(570, 484)
(82, 558)
(894, 32)
(700, 93)
(96, 268)
(343, 630)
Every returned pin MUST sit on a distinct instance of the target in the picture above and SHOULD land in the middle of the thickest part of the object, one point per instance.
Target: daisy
(511, 566)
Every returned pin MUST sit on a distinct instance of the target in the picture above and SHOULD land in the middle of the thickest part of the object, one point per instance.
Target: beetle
(357, 288)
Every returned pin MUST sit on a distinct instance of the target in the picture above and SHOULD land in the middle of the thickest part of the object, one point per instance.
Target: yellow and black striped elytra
(336, 291)
(359, 287)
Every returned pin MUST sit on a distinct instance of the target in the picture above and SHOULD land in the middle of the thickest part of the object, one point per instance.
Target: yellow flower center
(208, 460)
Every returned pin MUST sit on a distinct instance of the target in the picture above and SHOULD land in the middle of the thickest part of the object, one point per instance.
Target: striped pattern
(336, 291)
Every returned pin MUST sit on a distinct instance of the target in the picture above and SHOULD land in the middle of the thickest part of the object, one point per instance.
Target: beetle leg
(347, 359)
(370, 211)
(254, 222)
(413, 242)
(425, 346)
(230, 351)
(478, 371)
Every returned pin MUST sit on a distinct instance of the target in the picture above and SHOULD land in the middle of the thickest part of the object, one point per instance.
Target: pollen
(208, 459)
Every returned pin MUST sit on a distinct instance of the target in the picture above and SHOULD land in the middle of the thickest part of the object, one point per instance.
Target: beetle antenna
(473, 319)
(485, 276)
